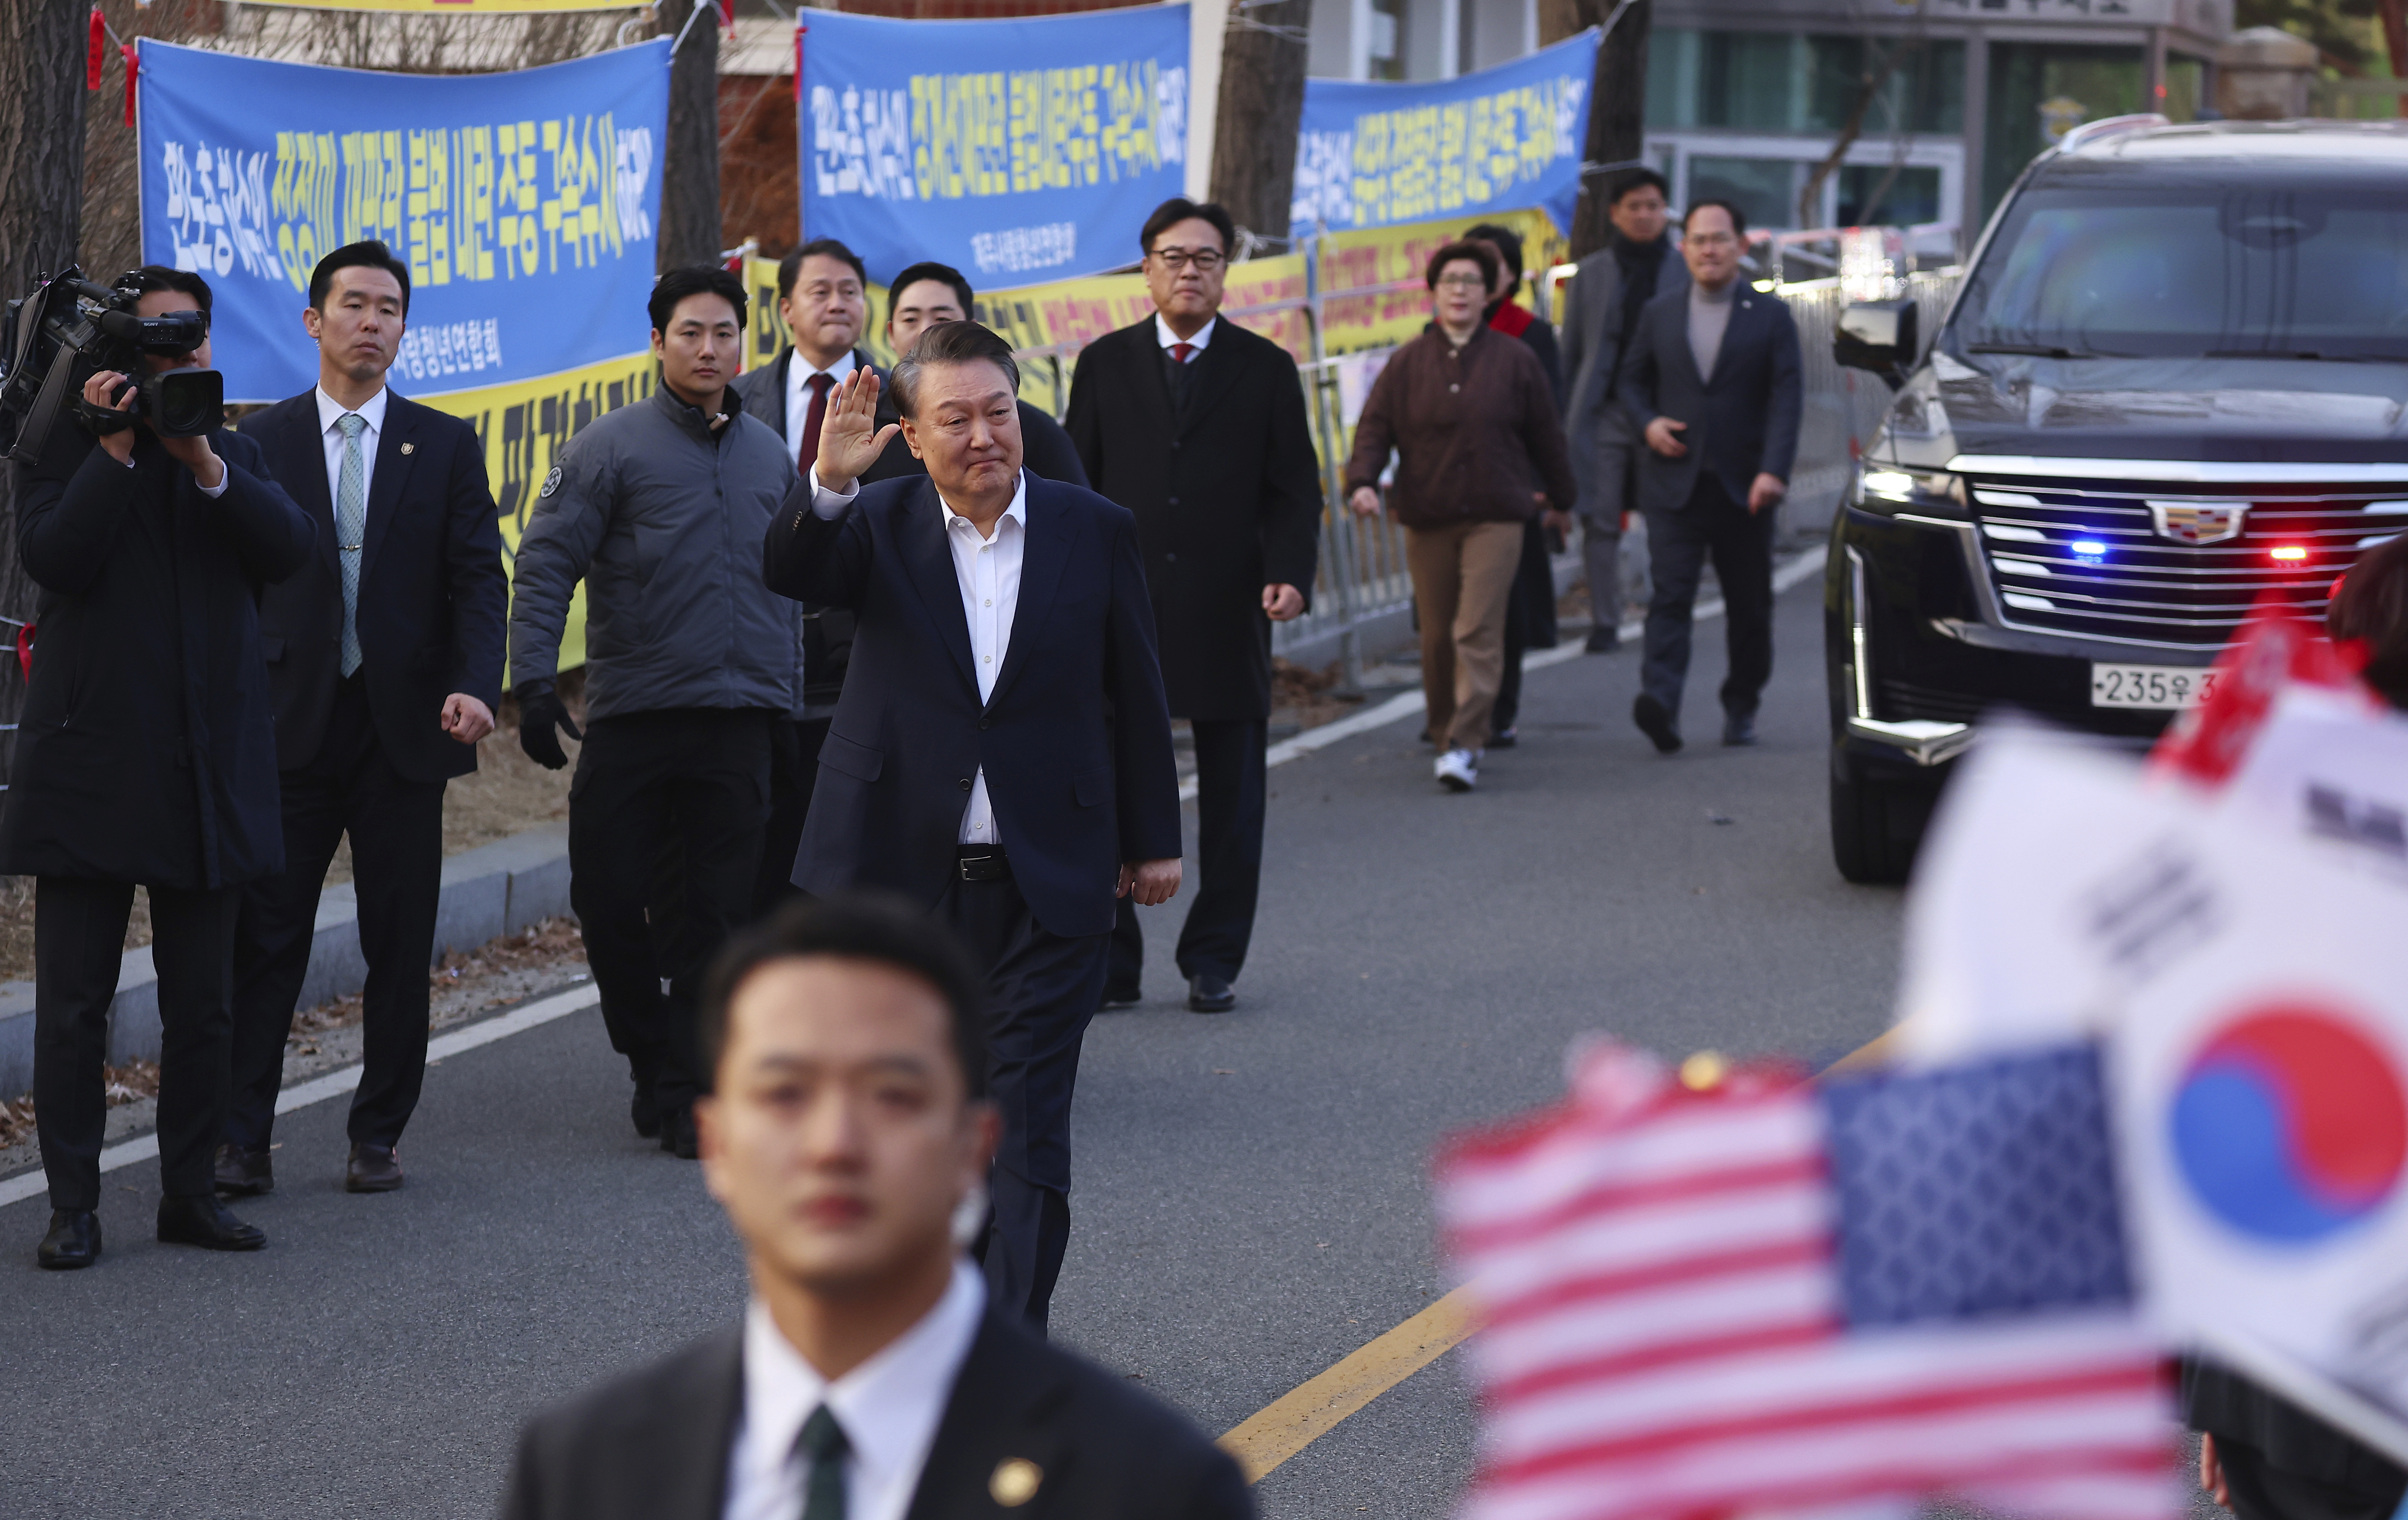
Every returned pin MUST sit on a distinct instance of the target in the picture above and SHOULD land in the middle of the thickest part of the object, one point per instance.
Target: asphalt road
(1251, 1201)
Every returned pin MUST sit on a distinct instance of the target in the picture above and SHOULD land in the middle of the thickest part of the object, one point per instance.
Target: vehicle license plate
(2160, 686)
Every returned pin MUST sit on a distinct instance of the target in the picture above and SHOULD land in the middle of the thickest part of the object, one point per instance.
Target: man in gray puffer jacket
(661, 508)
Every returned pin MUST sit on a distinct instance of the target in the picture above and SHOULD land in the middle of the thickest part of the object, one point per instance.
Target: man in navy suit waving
(1001, 754)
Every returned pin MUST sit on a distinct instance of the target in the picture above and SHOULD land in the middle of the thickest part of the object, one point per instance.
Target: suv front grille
(2084, 556)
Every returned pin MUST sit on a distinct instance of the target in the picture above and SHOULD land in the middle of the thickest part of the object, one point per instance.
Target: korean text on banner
(1014, 150)
(524, 203)
(1369, 155)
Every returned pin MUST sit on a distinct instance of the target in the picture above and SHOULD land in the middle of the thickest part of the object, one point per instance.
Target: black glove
(539, 712)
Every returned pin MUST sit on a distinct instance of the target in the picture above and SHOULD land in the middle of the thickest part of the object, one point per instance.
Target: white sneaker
(1458, 770)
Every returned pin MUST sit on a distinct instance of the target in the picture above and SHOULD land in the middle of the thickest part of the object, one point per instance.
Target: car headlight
(1888, 491)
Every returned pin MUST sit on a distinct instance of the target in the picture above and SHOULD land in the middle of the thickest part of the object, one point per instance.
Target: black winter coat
(148, 751)
(1227, 494)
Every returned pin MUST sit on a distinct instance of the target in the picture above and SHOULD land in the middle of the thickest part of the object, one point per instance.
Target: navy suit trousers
(1740, 543)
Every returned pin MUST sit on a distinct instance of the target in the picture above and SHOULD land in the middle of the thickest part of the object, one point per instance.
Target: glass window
(1874, 194)
(2198, 269)
(1787, 82)
(1764, 189)
(2185, 79)
(1387, 42)
(2039, 90)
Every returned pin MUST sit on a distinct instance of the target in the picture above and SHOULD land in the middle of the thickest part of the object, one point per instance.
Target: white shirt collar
(1017, 512)
(889, 1406)
(372, 410)
(799, 371)
(1203, 341)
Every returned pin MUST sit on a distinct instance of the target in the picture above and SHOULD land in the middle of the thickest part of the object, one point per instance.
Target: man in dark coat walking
(147, 756)
(1198, 426)
(385, 656)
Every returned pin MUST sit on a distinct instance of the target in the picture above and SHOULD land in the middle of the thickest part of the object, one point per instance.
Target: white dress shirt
(330, 411)
(888, 1407)
(798, 396)
(1203, 341)
(987, 570)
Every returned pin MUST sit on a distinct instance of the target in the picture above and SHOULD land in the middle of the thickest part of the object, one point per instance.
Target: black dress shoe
(677, 1137)
(244, 1174)
(74, 1240)
(1210, 993)
(206, 1223)
(372, 1169)
(1738, 729)
(646, 1115)
(1655, 721)
(1122, 996)
(1604, 640)
(1505, 738)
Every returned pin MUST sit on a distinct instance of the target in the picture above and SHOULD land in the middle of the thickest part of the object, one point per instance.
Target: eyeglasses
(1204, 260)
(1711, 240)
(1467, 282)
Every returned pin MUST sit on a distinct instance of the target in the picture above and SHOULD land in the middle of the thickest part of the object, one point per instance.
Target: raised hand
(851, 439)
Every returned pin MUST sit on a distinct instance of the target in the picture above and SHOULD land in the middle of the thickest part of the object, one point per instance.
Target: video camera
(70, 329)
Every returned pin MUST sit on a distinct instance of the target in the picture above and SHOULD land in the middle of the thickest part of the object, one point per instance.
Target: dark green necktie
(823, 1444)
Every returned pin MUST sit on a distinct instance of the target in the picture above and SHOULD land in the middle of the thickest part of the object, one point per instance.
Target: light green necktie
(350, 522)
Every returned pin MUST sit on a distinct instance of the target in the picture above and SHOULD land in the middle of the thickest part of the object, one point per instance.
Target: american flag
(1777, 1297)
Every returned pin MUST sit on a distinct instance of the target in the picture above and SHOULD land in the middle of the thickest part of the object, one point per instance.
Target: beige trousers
(1463, 575)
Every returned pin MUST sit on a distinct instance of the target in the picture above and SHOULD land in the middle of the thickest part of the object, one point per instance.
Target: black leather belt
(983, 863)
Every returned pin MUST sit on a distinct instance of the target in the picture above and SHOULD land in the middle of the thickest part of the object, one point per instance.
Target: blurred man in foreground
(847, 1136)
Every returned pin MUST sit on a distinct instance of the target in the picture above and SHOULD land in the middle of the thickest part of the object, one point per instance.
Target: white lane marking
(1409, 704)
(32, 1183)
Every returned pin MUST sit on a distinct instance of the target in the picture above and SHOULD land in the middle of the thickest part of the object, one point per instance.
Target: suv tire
(1876, 825)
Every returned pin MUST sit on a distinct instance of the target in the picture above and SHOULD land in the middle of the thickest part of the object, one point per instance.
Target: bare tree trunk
(1262, 102)
(1617, 113)
(690, 166)
(2395, 41)
(41, 193)
(1874, 78)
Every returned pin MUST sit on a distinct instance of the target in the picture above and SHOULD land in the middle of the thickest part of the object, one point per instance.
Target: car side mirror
(1879, 336)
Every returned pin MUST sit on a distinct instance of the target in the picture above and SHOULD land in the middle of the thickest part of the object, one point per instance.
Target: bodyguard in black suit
(147, 756)
(1001, 755)
(1198, 426)
(868, 1340)
(1712, 382)
(385, 656)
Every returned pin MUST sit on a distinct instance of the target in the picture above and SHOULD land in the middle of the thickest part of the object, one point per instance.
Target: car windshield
(2197, 268)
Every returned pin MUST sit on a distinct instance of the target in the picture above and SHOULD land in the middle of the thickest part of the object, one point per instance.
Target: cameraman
(147, 755)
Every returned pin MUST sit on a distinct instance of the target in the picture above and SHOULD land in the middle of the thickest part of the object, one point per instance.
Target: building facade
(1746, 98)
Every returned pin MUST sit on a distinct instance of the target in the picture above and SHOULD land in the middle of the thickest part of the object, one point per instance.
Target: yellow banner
(1364, 261)
(524, 426)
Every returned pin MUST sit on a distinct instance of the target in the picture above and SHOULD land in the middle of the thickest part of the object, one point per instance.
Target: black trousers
(1740, 543)
(79, 944)
(1230, 798)
(397, 830)
(1529, 621)
(665, 816)
(793, 769)
(1041, 990)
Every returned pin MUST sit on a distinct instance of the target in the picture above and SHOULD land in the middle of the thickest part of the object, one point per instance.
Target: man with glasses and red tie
(1198, 426)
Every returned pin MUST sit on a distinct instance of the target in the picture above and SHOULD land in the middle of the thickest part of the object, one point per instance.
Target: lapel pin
(408, 447)
(1015, 1482)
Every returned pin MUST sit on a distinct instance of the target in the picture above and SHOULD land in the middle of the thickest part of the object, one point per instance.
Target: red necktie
(1182, 351)
(819, 384)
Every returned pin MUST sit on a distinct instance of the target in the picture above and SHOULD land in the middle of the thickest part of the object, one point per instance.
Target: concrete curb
(495, 889)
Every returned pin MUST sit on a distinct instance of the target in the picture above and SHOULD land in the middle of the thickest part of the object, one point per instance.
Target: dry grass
(1308, 698)
(129, 1083)
(507, 794)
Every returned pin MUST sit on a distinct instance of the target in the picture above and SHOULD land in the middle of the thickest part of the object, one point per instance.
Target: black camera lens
(184, 403)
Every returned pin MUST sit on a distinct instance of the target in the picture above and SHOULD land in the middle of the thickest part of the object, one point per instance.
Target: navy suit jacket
(434, 598)
(1075, 741)
(1742, 418)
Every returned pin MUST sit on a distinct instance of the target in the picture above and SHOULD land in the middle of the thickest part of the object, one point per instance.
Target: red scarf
(1512, 321)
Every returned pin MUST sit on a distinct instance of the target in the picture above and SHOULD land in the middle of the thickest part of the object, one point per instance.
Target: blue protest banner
(523, 203)
(1505, 138)
(1014, 150)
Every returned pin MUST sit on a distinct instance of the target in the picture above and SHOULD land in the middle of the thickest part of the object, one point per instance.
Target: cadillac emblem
(2199, 522)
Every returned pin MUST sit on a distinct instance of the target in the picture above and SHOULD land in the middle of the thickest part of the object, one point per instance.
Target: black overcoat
(148, 751)
(434, 598)
(1227, 494)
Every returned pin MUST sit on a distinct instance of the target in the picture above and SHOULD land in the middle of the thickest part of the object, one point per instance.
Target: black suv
(2173, 382)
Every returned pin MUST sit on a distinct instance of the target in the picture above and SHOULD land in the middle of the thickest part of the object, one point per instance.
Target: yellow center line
(1315, 1407)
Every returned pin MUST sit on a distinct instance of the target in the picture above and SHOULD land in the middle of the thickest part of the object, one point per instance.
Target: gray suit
(1601, 436)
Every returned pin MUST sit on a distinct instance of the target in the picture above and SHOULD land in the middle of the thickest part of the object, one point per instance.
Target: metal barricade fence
(1362, 577)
